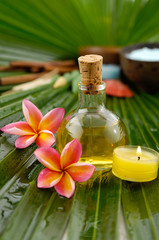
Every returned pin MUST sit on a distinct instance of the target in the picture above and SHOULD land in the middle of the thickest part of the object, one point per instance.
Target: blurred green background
(40, 30)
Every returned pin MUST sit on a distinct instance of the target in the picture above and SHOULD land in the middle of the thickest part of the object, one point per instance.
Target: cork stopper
(91, 72)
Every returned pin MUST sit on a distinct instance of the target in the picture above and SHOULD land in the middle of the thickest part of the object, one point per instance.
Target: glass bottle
(98, 129)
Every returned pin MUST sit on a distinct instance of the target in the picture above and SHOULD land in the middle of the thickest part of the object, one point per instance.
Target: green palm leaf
(96, 210)
(59, 28)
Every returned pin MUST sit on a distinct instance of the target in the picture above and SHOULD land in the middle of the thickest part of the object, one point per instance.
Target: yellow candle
(136, 164)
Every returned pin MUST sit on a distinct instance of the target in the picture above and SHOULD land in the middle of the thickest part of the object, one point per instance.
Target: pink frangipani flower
(36, 128)
(62, 172)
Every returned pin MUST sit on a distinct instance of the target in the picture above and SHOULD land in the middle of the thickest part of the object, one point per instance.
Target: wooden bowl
(110, 54)
(145, 74)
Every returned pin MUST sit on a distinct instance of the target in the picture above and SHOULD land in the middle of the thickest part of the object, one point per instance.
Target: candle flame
(139, 150)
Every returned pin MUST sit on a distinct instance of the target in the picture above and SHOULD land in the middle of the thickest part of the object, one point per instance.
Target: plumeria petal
(25, 141)
(48, 178)
(71, 153)
(18, 128)
(80, 172)
(45, 139)
(68, 117)
(32, 114)
(66, 186)
(49, 157)
(52, 120)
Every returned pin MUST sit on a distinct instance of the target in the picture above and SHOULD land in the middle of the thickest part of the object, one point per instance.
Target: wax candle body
(129, 165)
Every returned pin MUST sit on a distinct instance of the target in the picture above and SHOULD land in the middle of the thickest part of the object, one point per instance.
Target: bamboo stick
(19, 78)
(10, 68)
(26, 64)
(61, 68)
(44, 79)
(5, 68)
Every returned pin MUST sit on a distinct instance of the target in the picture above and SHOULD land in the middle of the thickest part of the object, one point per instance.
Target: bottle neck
(92, 100)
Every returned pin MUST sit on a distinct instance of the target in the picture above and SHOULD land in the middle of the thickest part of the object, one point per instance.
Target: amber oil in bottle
(98, 129)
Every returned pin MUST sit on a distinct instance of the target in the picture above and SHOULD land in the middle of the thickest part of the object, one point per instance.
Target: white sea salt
(144, 54)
